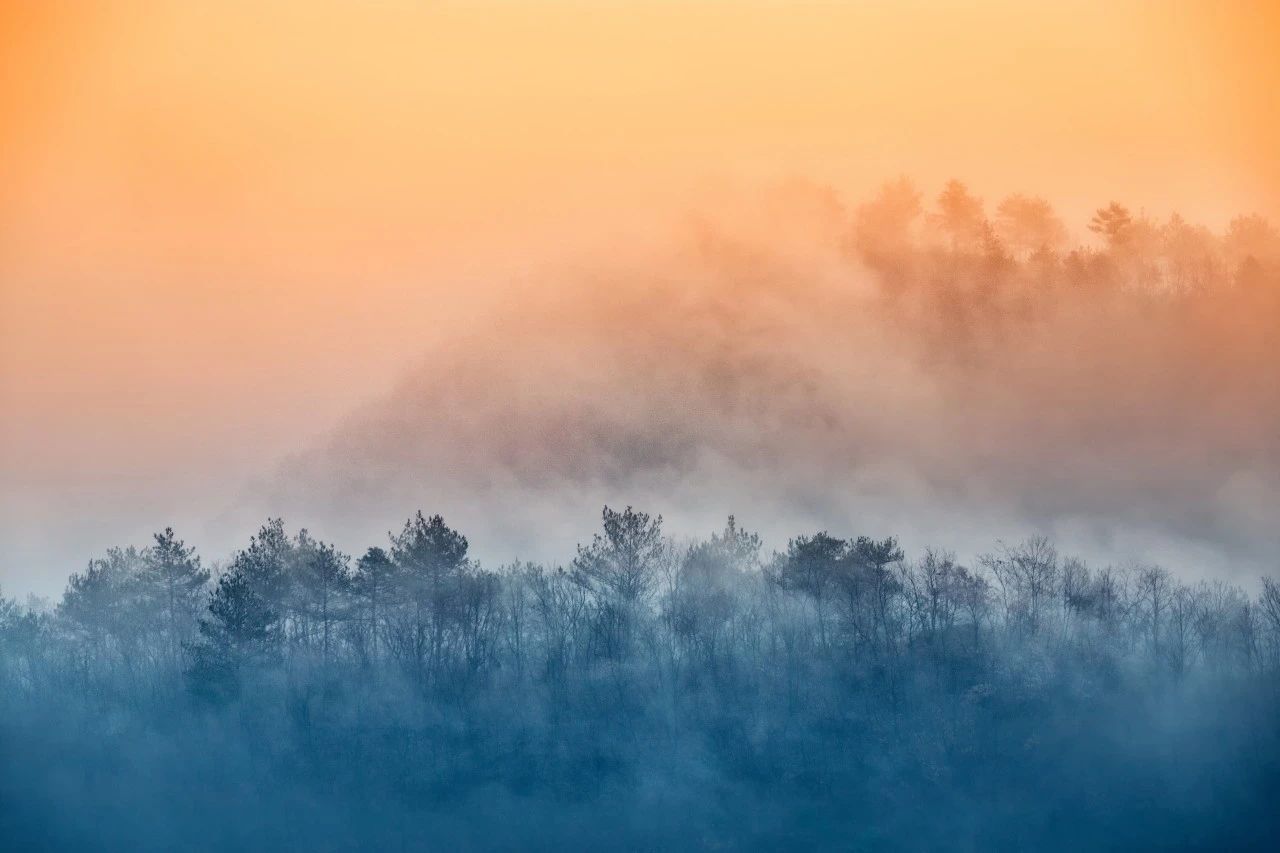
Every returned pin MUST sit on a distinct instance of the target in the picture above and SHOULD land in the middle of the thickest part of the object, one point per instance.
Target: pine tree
(235, 632)
(173, 584)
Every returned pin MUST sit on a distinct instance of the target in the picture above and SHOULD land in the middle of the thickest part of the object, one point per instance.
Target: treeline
(1130, 248)
(968, 280)
(834, 693)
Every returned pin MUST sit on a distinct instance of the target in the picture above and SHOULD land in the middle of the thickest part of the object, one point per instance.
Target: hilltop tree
(431, 569)
(266, 565)
(1251, 238)
(1027, 224)
(374, 584)
(960, 217)
(708, 583)
(102, 603)
(323, 582)
(883, 226)
(619, 570)
(236, 631)
(1114, 223)
(813, 565)
(173, 583)
(621, 564)
(870, 587)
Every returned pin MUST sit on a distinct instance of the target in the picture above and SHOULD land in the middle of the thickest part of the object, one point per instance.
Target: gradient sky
(223, 226)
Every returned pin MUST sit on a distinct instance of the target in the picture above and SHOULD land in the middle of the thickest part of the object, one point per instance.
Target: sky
(228, 229)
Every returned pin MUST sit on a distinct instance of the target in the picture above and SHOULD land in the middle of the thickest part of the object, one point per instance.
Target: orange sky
(223, 225)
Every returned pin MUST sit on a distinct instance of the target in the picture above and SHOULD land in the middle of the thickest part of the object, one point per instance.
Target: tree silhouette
(173, 582)
(1114, 224)
(235, 633)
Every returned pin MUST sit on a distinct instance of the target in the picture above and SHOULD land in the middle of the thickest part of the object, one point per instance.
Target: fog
(765, 364)
(209, 257)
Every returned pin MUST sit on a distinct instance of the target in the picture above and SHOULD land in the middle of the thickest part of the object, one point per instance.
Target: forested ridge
(832, 690)
(647, 693)
(952, 369)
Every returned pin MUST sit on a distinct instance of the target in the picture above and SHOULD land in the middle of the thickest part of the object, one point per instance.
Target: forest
(647, 694)
(653, 691)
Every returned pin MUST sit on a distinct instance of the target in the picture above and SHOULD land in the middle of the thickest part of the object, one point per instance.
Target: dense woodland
(652, 693)
(646, 694)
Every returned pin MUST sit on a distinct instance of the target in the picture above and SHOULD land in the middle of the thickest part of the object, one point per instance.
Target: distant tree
(427, 547)
(266, 566)
(323, 581)
(1027, 577)
(960, 217)
(942, 595)
(720, 560)
(9, 614)
(883, 226)
(621, 564)
(561, 608)
(1155, 591)
(877, 553)
(870, 587)
(1251, 237)
(102, 603)
(1180, 629)
(1114, 223)
(619, 571)
(930, 584)
(1190, 254)
(708, 582)
(173, 583)
(814, 565)
(973, 594)
(374, 583)
(1027, 224)
(23, 640)
(235, 633)
(431, 569)
(479, 620)
(1269, 604)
